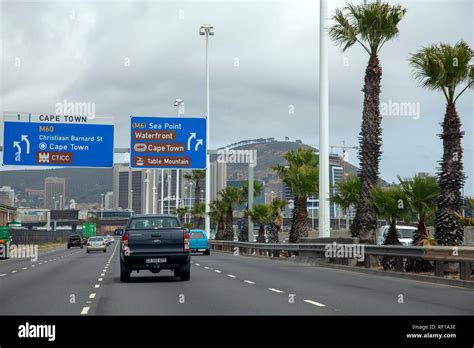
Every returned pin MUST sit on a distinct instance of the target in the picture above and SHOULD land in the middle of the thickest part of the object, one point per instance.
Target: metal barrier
(440, 255)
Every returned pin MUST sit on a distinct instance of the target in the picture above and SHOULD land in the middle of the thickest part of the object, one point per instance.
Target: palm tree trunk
(273, 230)
(299, 220)
(370, 142)
(220, 229)
(388, 262)
(419, 265)
(229, 225)
(261, 234)
(244, 235)
(449, 230)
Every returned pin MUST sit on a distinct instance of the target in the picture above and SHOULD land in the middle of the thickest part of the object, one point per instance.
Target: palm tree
(371, 25)
(421, 195)
(446, 68)
(257, 189)
(196, 177)
(301, 177)
(277, 206)
(230, 197)
(181, 212)
(390, 204)
(261, 214)
(199, 212)
(347, 195)
(217, 214)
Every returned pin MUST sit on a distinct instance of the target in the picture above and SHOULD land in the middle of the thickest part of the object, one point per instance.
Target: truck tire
(124, 276)
(184, 276)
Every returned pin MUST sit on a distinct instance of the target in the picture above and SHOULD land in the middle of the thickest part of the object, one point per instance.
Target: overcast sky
(263, 61)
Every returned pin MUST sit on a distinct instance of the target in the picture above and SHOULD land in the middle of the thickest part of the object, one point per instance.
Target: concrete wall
(469, 235)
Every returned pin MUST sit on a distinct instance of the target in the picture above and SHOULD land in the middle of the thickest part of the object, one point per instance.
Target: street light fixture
(207, 30)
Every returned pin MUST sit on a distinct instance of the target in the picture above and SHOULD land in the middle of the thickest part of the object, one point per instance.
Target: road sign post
(58, 140)
(168, 142)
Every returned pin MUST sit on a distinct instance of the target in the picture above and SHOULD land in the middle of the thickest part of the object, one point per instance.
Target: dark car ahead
(154, 243)
(74, 240)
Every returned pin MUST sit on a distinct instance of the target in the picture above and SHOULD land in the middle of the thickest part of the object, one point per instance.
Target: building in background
(54, 193)
(7, 196)
(7, 214)
(109, 201)
(218, 178)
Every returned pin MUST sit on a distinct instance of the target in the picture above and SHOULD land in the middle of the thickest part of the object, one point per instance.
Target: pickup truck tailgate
(155, 241)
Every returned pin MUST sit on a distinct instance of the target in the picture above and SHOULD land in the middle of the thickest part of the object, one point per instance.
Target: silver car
(96, 243)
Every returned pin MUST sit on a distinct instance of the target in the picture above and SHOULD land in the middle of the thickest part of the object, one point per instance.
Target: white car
(110, 238)
(96, 243)
(405, 233)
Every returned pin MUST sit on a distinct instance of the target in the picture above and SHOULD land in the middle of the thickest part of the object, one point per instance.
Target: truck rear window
(151, 223)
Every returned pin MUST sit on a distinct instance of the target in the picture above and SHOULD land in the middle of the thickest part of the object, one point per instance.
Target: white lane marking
(25, 268)
(275, 290)
(100, 279)
(217, 271)
(92, 295)
(102, 274)
(97, 286)
(89, 302)
(3, 275)
(206, 267)
(315, 303)
(32, 266)
(14, 271)
(40, 263)
(231, 275)
(85, 310)
(197, 264)
(46, 262)
(249, 282)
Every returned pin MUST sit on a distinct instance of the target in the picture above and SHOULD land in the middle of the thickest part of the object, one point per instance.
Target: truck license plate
(158, 260)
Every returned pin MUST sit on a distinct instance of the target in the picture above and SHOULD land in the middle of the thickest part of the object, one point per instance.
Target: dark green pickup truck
(154, 243)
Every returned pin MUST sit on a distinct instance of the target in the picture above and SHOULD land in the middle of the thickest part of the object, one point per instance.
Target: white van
(405, 233)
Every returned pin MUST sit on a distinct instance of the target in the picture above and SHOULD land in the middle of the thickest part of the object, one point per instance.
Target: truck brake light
(186, 241)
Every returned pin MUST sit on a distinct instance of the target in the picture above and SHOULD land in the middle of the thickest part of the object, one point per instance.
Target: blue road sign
(168, 142)
(58, 140)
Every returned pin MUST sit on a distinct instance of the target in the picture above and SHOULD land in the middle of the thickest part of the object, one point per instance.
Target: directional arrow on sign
(199, 142)
(25, 139)
(191, 137)
(17, 145)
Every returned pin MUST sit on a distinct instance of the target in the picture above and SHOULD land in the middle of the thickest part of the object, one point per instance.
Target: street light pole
(131, 202)
(147, 191)
(101, 206)
(162, 200)
(323, 221)
(179, 103)
(207, 30)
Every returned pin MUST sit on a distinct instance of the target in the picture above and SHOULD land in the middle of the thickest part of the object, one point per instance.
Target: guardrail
(440, 255)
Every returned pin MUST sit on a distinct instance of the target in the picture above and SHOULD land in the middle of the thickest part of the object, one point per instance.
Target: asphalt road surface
(72, 282)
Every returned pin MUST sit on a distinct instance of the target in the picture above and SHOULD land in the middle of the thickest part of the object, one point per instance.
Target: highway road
(72, 282)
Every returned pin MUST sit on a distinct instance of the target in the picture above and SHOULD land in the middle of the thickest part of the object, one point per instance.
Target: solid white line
(231, 275)
(14, 271)
(249, 282)
(92, 295)
(85, 310)
(2, 275)
(275, 290)
(315, 303)
(217, 271)
(97, 286)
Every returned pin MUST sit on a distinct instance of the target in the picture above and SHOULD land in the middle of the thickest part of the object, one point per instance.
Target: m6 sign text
(58, 140)
(168, 142)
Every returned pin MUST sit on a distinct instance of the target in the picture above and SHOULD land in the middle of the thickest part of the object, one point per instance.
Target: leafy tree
(230, 197)
(446, 68)
(217, 214)
(261, 214)
(301, 176)
(199, 212)
(370, 25)
(257, 189)
(277, 207)
(347, 195)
